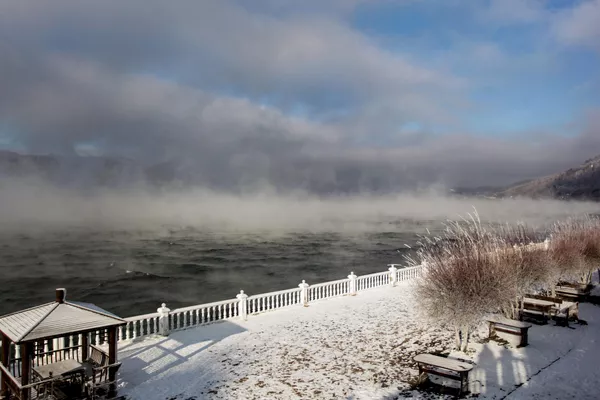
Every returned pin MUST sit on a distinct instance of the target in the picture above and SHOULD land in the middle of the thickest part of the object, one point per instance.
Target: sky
(318, 94)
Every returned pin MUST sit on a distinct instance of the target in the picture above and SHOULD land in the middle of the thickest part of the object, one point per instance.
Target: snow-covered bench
(444, 367)
(537, 309)
(515, 332)
(573, 291)
(562, 310)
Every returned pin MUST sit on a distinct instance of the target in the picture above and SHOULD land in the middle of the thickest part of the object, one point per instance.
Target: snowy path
(577, 374)
(350, 348)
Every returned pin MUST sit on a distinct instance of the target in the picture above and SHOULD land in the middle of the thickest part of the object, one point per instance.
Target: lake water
(133, 272)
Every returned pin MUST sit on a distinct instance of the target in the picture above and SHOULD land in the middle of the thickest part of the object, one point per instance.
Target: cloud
(513, 11)
(233, 96)
(579, 26)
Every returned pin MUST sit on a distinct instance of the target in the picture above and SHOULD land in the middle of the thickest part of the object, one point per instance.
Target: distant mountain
(71, 170)
(581, 183)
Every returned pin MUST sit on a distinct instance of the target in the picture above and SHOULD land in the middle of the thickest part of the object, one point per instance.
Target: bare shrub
(525, 263)
(463, 280)
(575, 250)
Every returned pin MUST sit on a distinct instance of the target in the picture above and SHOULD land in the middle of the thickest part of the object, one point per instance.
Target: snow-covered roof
(56, 319)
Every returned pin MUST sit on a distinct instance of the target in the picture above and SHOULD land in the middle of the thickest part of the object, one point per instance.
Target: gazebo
(56, 342)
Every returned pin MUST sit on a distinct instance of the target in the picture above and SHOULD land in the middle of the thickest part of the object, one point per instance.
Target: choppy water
(132, 272)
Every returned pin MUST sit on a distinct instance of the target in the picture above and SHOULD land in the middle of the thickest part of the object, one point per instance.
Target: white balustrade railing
(165, 320)
(328, 289)
(405, 274)
(140, 325)
(372, 281)
(183, 318)
(272, 301)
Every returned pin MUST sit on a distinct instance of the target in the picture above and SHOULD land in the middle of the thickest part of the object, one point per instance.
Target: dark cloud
(231, 97)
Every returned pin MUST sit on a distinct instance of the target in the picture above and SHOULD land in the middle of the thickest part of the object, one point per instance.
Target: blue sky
(522, 78)
(382, 84)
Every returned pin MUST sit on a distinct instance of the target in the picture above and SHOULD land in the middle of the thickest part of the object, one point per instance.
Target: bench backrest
(498, 320)
(555, 300)
(97, 356)
(443, 362)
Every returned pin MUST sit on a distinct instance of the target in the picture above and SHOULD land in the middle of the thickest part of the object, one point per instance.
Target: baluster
(185, 319)
(45, 356)
(69, 344)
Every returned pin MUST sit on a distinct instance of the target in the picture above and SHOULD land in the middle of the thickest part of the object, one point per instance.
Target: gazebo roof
(55, 319)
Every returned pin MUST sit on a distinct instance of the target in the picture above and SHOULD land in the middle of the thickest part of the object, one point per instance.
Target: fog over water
(130, 251)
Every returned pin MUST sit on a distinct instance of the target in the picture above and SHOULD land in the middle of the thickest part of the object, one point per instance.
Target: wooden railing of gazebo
(50, 351)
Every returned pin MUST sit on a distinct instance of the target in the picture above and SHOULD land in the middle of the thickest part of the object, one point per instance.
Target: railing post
(352, 284)
(304, 293)
(163, 320)
(242, 305)
(393, 275)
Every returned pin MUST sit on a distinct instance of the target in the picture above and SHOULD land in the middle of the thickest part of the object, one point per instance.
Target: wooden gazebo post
(4, 360)
(26, 368)
(112, 358)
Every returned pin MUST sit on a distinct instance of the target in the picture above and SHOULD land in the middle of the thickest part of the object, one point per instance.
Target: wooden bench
(572, 291)
(562, 311)
(444, 367)
(536, 309)
(96, 359)
(509, 330)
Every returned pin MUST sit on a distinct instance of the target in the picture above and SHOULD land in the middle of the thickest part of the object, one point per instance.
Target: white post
(352, 282)
(163, 320)
(243, 305)
(547, 244)
(304, 293)
(393, 275)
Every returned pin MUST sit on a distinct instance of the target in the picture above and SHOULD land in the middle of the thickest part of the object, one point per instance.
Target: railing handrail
(261, 295)
(329, 283)
(372, 275)
(142, 317)
(199, 306)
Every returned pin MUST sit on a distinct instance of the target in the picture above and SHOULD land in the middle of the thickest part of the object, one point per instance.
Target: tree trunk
(465, 342)
(457, 338)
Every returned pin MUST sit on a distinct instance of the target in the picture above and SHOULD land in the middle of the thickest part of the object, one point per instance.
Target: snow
(352, 347)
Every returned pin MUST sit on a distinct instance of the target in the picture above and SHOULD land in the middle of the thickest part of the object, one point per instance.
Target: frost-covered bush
(463, 280)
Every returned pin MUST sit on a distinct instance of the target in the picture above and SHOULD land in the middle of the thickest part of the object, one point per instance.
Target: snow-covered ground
(357, 347)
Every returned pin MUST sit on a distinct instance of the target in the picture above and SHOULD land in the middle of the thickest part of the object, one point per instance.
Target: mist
(30, 205)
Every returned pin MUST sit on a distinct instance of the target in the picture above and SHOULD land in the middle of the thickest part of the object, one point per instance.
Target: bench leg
(464, 383)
